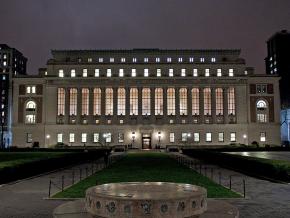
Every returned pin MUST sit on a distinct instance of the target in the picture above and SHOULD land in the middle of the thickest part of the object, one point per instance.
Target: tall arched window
(195, 101)
(133, 101)
(97, 101)
(60, 101)
(219, 101)
(262, 111)
(231, 101)
(146, 101)
(85, 101)
(207, 101)
(171, 101)
(158, 101)
(109, 101)
(121, 101)
(30, 112)
(73, 100)
(183, 101)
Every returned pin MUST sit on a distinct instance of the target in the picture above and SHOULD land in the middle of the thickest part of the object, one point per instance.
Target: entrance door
(146, 141)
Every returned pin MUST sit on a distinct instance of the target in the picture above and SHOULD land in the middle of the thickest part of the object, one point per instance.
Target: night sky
(37, 26)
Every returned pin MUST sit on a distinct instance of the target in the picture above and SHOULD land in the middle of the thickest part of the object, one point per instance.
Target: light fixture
(244, 136)
(48, 136)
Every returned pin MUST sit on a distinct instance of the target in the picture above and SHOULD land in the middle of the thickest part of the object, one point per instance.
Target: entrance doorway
(146, 141)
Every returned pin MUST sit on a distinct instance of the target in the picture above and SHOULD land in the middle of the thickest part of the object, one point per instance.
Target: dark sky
(36, 26)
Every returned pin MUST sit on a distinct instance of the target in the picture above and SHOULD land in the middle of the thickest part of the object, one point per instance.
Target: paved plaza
(274, 155)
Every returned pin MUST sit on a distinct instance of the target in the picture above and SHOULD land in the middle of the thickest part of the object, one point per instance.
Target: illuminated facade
(146, 98)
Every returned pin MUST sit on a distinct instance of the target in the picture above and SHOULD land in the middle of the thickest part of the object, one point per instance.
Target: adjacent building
(146, 98)
(278, 63)
(12, 63)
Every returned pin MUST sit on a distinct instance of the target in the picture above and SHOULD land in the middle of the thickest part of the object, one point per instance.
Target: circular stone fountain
(143, 199)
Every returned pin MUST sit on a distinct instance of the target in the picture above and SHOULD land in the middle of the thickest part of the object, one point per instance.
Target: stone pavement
(274, 155)
(263, 198)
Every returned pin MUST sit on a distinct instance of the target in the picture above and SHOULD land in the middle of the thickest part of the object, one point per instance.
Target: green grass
(8, 159)
(149, 167)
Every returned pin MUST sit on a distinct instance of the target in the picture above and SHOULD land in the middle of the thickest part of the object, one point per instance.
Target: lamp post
(133, 138)
(47, 137)
(245, 138)
(159, 139)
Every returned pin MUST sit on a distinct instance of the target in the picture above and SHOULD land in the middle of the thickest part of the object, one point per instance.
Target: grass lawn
(8, 159)
(149, 167)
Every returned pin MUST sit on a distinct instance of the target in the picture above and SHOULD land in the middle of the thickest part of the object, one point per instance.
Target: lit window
(121, 122)
(4, 63)
(109, 72)
(133, 74)
(30, 112)
(219, 72)
(183, 101)
(262, 136)
(231, 72)
(29, 137)
(85, 72)
(231, 101)
(121, 101)
(202, 60)
(73, 93)
(112, 60)
(84, 137)
(219, 96)
(171, 121)
(196, 137)
(158, 73)
(97, 121)
(59, 138)
(33, 89)
(120, 137)
(184, 136)
(208, 137)
(4, 56)
(85, 101)
(146, 72)
(72, 73)
(123, 60)
(157, 60)
(262, 111)
(60, 101)
(108, 137)
(169, 60)
(28, 89)
(191, 60)
(233, 137)
(146, 101)
(171, 101)
(109, 121)
(158, 101)
(145, 60)
(207, 101)
(60, 73)
(195, 74)
(171, 73)
(121, 72)
(109, 101)
(90, 60)
(97, 72)
(246, 72)
(171, 137)
(213, 60)
(71, 137)
(179, 60)
(220, 136)
(134, 60)
(101, 60)
(195, 101)
(133, 101)
(183, 72)
(206, 72)
(97, 101)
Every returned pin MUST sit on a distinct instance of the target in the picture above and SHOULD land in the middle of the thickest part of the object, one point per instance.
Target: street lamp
(245, 138)
(133, 138)
(47, 137)
(159, 139)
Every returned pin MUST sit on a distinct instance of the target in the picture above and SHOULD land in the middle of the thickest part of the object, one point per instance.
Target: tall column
(127, 101)
(225, 104)
(164, 101)
(115, 100)
(177, 103)
(213, 105)
(91, 103)
(103, 101)
(189, 101)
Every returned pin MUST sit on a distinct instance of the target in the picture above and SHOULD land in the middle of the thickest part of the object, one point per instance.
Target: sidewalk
(263, 198)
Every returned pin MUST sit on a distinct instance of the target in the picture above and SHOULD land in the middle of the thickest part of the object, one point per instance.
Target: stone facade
(217, 100)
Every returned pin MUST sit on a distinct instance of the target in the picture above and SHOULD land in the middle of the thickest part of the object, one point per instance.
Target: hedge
(259, 167)
(37, 166)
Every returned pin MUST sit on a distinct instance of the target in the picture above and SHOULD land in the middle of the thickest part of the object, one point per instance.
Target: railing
(79, 173)
(233, 182)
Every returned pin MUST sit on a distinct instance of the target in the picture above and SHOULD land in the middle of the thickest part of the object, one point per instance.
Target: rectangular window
(169, 60)
(231, 72)
(171, 101)
(195, 72)
(109, 72)
(84, 137)
(121, 105)
(191, 60)
(231, 101)
(133, 101)
(184, 136)
(121, 72)
(219, 72)
(196, 137)
(158, 73)
(59, 138)
(97, 72)
(158, 101)
(85, 72)
(219, 101)
(96, 137)
(112, 60)
(85, 101)
(33, 89)
(73, 93)
(206, 72)
(183, 101)
(133, 74)
(146, 101)
(108, 137)
(171, 73)
(101, 60)
(220, 136)
(157, 60)
(71, 137)
(123, 60)
(60, 73)
(60, 101)
(195, 101)
(262, 136)
(97, 101)
(146, 72)
(233, 137)
(72, 73)
(109, 101)
(146, 60)
(207, 101)
(28, 89)
(183, 72)
(208, 137)
(29, 137)
(120, 137)
(171, 137)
